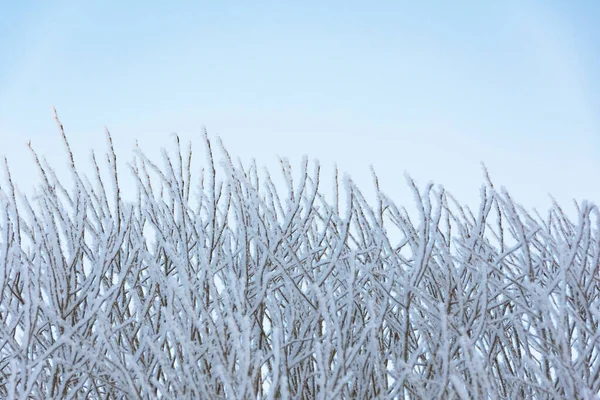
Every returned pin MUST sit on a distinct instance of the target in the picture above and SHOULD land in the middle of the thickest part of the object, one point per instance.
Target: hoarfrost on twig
(223, 286)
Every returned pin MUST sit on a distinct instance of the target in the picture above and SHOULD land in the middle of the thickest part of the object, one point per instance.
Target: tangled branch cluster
(238, 291)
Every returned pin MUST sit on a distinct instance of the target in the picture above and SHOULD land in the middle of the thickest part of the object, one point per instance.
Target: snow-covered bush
(222, 286)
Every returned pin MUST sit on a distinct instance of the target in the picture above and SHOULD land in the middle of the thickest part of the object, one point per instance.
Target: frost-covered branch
(223, 286)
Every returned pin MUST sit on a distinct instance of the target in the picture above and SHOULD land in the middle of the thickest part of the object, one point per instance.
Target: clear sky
(432, 88)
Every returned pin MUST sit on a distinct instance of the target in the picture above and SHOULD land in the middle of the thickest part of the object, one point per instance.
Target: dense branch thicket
(220, 286)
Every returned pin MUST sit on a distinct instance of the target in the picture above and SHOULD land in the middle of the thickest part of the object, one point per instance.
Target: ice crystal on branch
(222, 285)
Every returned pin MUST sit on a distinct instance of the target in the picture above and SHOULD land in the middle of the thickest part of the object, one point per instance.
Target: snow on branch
(222, 285)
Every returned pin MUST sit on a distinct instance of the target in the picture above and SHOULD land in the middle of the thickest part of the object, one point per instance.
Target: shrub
(241, 291)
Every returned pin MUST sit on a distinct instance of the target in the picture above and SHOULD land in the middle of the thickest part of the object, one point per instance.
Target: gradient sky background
(429, 88)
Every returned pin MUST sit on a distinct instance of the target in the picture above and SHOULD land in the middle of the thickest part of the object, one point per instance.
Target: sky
(431, 89)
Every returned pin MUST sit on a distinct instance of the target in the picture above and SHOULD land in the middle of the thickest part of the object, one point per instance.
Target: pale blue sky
(428, 87)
